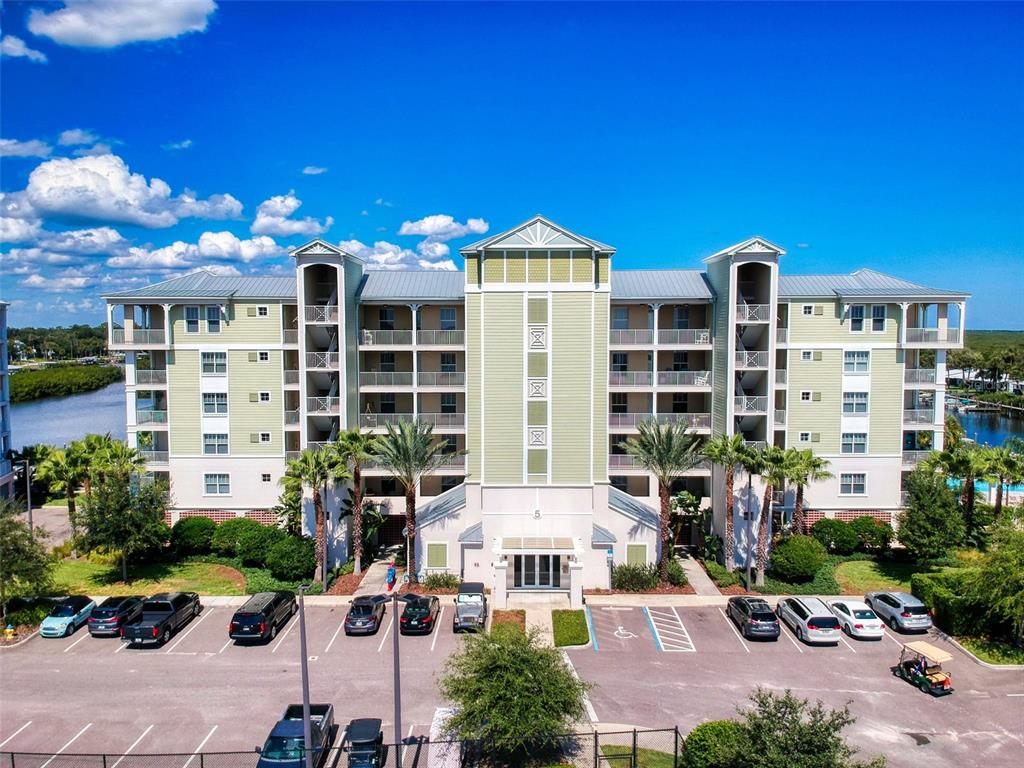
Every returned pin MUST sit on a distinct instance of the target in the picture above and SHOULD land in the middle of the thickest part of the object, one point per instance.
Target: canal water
(59, 420)
(990, 428)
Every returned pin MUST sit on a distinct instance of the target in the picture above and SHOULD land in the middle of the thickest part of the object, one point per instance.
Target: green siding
(582, 267)
(473, 386)
(603, 266)
(538, 268)
(569, 386)
(560, 268)
(247, 417)
(831, 328)
(885, 403)
(537, 461)
(515, 267)
(818, 416)
(537, 413)
(538, 364)
(504, 427)
(472, 270)
(538, 310)
(184, 401)
(600, 379)
(494, 268)
(236, 325)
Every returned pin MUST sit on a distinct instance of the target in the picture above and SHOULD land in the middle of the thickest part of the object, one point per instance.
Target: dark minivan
(113, 613)
(754, 617)
(261, 615)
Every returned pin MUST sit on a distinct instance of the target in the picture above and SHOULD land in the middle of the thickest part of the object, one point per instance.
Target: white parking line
(199, 748)
(85, 635)
(782, 630)
(121, 645)
(59, 751)
(282, 637)
(191, 629)
(133, 746)
(224, 647)
(892, 637)
(733, 628)
(334, 637)
(437, 628)
(847, 644)
(670, 631)
(26, 725)
(379, 647)
(591, 712)
(407, 737)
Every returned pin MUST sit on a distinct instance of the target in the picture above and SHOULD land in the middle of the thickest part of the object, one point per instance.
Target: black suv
(754, 617)
(108, 617)
(261, 615)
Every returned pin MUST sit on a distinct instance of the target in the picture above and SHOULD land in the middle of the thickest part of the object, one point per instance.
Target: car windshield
(156, 606)
(916, 610)
(63, 611)
(283, 748)
(361, 610)
(824, 622)
(763, 616)
(471, 599)
(417, 610)
(864, 614)
(103, 613)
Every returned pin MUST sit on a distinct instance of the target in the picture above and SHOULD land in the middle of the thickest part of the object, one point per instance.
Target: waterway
(59, 420)
(988, 428)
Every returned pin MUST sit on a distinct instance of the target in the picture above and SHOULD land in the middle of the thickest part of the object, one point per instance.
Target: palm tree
(964, 462)
(316, 469)
(64, 470)
(1002, 466)
(666, 451)
(802, 469)
(121, 459)
(772, 470)
(728, 452)
(409, 452)
(91, 449)
(355, 447)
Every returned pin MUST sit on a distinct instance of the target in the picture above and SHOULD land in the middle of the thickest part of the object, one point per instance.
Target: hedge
(254, 545)
(292, 558)
(797, 558)
(836, 536)
(719, 574)
(676, 574)
(228, 535)
(715, 744)
(951, 610)
(260, 579)
(823, 583)
(192, 535)
(635, 578)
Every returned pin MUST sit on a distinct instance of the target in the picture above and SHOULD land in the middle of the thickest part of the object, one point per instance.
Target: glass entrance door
(536, 571)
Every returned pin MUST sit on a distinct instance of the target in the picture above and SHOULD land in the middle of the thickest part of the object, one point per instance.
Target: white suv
(810, 619)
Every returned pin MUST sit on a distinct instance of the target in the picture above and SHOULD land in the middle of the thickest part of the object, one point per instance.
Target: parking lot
(683, 666)
(203, 692)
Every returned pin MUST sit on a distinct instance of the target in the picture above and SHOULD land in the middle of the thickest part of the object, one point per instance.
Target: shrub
(676, 574)
(872, 534)
(104, 556)
(835, 535)
(254, 545)
(719, 574)
(226, 537)
(714, 744)
(932, 524)
(635, 578)
(192, 536)
(951, 608)
(27, 613)
(798, 558)
(292, 559)
(569, 628)
(441, 580)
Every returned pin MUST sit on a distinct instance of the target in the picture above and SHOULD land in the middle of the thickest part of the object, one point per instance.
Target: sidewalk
(538, 607)
(375, 580)
(698, 577)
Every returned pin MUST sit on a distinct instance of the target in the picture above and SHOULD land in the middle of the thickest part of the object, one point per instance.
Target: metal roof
(622, 502)
(441, 506)
(206, 285)
(537, 222)
(382, 285)
(602, 537)
(473, 535)
(863, 282)
(659, 284)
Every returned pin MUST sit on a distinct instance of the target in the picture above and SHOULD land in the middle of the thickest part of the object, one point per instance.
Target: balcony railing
(623, 461)
(385, 379)
(292, 455)
(326, 360)
(782, 335)
(138, 336)
(443, 420)
(150, 377)
(781, 375)
(684, 336)
(322, 404)
(697, 421)
(750, 404)
(291, 417)
(919, 376)
(913, 458)
(381, 420)
(441, 338)
(453, 462)
(755, 445)
(780, 416)
(627, 420)
(753, 313)
(684, 378)
(750, 359)
(318, 445)
(151, 417)
(291, 377)
(321, 313)
(370, 337)
(441, 378)
(290, 337)
(933, 336)
(918, 416)
(630, 378)
(631, 336)
(155, 457)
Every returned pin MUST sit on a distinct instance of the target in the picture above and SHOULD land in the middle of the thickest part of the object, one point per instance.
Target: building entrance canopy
(557, 545)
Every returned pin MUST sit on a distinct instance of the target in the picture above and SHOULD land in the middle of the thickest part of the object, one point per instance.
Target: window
(854, 442)
(857, 318)
(215, 363)
(680, 402)
(191, 319)
(262, 311)
(620, 362)
(636, 554)
(858, 361)
(855, 403)
(213, 319)
(680, 361)
(620, 402)
(852, 484)
(805, 437)
(447, 362)
(386, 318)
(217, 485)
(387, 403)
(807, 309)
(681, 316)
(448, 482)
(805, 396)
(620, 318)
(449, 402)
(805, 355)
(387, 362)
(437, 554)
(264, 437)
(264, 397)
(878, 318)
(263, 357)
(215, 443)
(265, 477)
(619, 482)
(449, 318)
(215, 402)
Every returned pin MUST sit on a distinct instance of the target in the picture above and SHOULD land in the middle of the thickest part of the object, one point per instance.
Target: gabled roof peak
(537, 232)
(755, 244)
(320, 247)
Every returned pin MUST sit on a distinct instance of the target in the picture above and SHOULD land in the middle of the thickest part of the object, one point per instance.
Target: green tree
(997, 583)
(288, 509)
(1002, 466)
(26, 567)
(355, 448)
(513, 693)
(409, 452)
(773, 464)
(952, 433)
(968, 360)
(316, 469)
(65, 470)
(666, 451)
(801, 469)
(932, 524)
(728, 452)
(965, 463)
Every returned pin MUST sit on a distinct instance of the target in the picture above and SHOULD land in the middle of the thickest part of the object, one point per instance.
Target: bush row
(943, 592)
(644, 578)
(720, 575)
(863, 534)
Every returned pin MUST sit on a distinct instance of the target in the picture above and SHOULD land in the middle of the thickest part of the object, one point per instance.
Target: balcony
(623, 461)
(441, 338)
(748, 360)
(441, 378)
(323, 404)
(291, 417)
(444, 420)
(913, 458)
(685, 336)
(753, 313)
(698, 422)
(291, 378)
(780, 416)
(381, 420)
(453, 462)
(150, 377)
(919, 376)
(631, 337)
(781, 376)
(155, 457)
(782, 335)
(292, 455)
(385, 379)
(755, 445)
(139, 337)
(750, 404)
(151, 417)
(321, 313)
(684, 378)
(918, 416)
(322, 360)
(290, 337)
(630, 378)
(318, 445)
(938, 336)
(374, 338)
(627, 420)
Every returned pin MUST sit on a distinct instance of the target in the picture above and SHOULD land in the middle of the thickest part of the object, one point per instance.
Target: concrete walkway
(538, 607)
(698, 577)
(375, 580)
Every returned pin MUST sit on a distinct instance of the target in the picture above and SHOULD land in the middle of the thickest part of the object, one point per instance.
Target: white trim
(569, 287)
(184, 317)
(867, 443)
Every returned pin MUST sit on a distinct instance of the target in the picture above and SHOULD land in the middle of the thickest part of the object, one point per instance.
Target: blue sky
(142, 143)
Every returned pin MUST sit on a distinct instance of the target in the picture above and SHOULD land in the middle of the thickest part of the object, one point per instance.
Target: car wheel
(892, 624)
(195, 610)
(295, 607)
(273, 631)
(70, 630)
(800, 634)
(165, 637)
(924, 687)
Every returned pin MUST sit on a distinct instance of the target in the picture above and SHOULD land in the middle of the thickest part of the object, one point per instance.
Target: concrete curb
(211, 601)
(20, 642)
(976, 660)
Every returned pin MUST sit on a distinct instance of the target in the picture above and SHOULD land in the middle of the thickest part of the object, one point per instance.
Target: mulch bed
(346, 585)
(419, 589)
(661, 589)
(516, 618)
(736, 589)
(20, 633)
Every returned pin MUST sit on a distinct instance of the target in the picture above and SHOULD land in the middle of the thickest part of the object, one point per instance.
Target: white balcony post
(110, 325)
(167, 323)
(903, 325)
(415, 309)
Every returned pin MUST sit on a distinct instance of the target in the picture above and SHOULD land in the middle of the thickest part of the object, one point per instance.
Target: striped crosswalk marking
(669, 630)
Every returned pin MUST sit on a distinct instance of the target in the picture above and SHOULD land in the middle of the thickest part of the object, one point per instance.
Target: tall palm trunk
(968, 501)
(730, 502)
(410, 530)
(999, 499)
(798, 510)
(666, 532)
(357, 515)
(321, 538)
(762, 534)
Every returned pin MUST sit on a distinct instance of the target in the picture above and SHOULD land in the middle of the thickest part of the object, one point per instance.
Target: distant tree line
(57, 343)
(59, 381)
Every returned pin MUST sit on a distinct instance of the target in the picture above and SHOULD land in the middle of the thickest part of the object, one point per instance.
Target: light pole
(750, 522)
(307, 734)
(28, 492)
(398, 667)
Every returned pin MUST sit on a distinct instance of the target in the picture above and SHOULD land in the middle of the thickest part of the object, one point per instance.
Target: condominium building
(6, 469)
(533, 364)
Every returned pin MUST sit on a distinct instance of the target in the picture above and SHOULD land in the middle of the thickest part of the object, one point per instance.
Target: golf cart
(921, 665)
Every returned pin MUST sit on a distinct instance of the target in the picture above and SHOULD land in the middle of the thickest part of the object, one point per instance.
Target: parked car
(470, 607)
(810, 619)
(365, 615)
(900, 610)
(67, 616)
(419, 616)
(283, 747)
(108, 617)
(261, 615)
(162, 616)
(857, 620)
(363, 742)
(754, 617)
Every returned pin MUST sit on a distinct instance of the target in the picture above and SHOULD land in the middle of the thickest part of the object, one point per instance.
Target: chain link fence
(625, 749)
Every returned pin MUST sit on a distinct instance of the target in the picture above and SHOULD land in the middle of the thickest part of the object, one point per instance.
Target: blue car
(67, 616)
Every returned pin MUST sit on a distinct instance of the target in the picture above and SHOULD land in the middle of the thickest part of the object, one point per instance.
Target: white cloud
(85, 305)
(803, 245)
(430, 249)
(15, 48)
(36, 256)
(382, 254)
(30, 148)
(60, 284)
(224, 270)
(110, 23)
(105, 189)
(272, 218)
(183, 144)
(95, 240)
(95, 150)
(225, 245)
(364, 212)
(444, 264)
(177, 255)
(383, 202)
(212, 245)
(314, 170)
(19, 230)
(74, 137)
(442, 227)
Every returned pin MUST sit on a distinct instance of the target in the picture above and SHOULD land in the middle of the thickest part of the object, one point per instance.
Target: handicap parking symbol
(624, 634)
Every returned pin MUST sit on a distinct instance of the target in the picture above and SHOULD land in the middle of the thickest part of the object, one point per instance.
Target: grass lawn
(83, 577)
(570, 628)
(993, 651)
(645, 758)
(860, 576)
(514, 618)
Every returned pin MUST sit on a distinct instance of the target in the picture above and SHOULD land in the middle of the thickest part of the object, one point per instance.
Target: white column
(167, 323)
(415, 308)
(499, 588)
(903, 324)
(575, 585)
(963, 321)
(110, 324)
